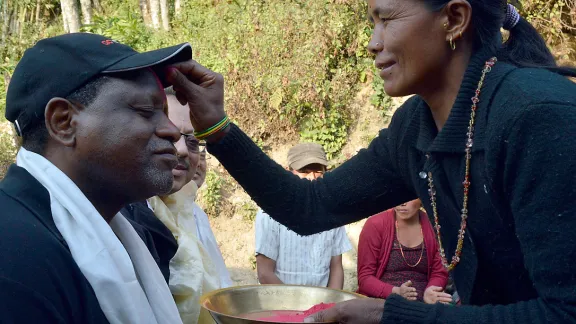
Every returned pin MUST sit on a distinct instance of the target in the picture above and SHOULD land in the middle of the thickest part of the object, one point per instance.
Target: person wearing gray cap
(92, 116)
(282, 256)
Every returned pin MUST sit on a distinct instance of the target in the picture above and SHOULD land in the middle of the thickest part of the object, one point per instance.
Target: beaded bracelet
(213, 130)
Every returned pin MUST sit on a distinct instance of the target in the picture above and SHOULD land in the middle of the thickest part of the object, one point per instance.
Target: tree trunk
(86, 11)
(14, 19)
(22, 20)
(155, 13)
(177, 7)
(97, 5)
(37, 14)
(5, 21)
(165, 15)
(65, 18)
(71, 16)
(145, 10)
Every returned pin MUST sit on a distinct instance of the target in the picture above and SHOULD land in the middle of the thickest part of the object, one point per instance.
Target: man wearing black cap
(91, 113)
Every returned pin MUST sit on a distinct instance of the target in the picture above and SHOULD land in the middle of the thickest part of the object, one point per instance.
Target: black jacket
(39, 280)
(520, 249)
(154, 233)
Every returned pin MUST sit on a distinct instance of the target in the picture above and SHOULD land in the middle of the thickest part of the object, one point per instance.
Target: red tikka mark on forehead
(159, 83)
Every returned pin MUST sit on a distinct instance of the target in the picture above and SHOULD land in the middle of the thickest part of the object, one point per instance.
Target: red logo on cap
(108, 42)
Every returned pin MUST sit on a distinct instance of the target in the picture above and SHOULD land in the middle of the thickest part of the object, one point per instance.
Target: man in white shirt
(283, 256)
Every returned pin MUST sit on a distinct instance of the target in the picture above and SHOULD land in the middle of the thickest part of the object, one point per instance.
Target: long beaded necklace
(402, 251)
(466, 183)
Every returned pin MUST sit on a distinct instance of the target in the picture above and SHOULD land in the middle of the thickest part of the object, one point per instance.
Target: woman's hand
(406, 291)
(434, 294)
(356, 311)
(200, 88)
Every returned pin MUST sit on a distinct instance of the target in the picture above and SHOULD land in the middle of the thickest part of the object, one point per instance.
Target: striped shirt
(300, 260)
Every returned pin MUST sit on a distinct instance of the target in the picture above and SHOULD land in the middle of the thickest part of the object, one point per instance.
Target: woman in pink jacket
(398, 254)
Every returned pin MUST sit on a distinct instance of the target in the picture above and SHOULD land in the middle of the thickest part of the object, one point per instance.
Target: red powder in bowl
(297, 317)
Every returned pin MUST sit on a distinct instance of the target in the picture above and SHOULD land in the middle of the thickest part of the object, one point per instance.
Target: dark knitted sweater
(519, 255)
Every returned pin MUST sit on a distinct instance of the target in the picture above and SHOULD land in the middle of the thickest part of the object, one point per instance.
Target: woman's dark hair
(525, 47)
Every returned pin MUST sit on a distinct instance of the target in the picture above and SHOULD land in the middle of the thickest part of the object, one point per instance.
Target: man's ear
(60, 117)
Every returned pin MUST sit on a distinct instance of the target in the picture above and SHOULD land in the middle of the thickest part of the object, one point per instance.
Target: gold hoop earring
(452, 44)
(460, 34)
(445, 25)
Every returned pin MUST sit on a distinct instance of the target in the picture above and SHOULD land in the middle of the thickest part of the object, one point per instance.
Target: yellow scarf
(192, 272)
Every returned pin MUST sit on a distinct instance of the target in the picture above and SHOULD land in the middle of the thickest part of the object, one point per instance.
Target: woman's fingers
(444, 300)
(195, 71)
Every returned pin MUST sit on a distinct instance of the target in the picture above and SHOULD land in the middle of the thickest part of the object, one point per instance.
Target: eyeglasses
(193, 144)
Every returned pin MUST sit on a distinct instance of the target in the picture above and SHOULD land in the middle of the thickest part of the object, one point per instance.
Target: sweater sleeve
(364, 185)
(369, 245)
(536, 173)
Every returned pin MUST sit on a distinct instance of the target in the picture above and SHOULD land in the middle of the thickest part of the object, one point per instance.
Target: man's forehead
(179, 115)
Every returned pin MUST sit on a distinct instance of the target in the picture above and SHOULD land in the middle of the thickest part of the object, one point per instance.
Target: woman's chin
(391, 90)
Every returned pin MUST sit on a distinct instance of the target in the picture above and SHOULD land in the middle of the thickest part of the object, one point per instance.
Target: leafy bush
(211, 196)
(556, 20)
(248, 211)
(7, 149)
(380, 99)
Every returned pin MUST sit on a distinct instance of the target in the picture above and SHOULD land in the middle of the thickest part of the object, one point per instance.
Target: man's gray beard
(161, 183)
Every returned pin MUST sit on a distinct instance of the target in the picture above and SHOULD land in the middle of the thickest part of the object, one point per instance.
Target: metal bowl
(235, 305)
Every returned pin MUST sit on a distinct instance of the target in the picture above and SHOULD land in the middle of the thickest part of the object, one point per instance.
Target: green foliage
(248, 211)
(7, 150)
(380, 99)
(556, 21)
(212, 195)
(330, 131)
(127, 29)
(285, 62)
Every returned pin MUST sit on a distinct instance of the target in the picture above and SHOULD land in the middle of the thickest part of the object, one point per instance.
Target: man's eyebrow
(377, 11)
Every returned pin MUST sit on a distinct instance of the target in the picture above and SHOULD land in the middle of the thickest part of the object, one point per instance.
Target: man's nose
(375, 45)
(181, 148)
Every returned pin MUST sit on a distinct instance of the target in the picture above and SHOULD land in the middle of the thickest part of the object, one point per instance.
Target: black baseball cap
(58, 66)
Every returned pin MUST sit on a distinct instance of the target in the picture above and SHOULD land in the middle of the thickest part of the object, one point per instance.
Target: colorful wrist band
(213, 130)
